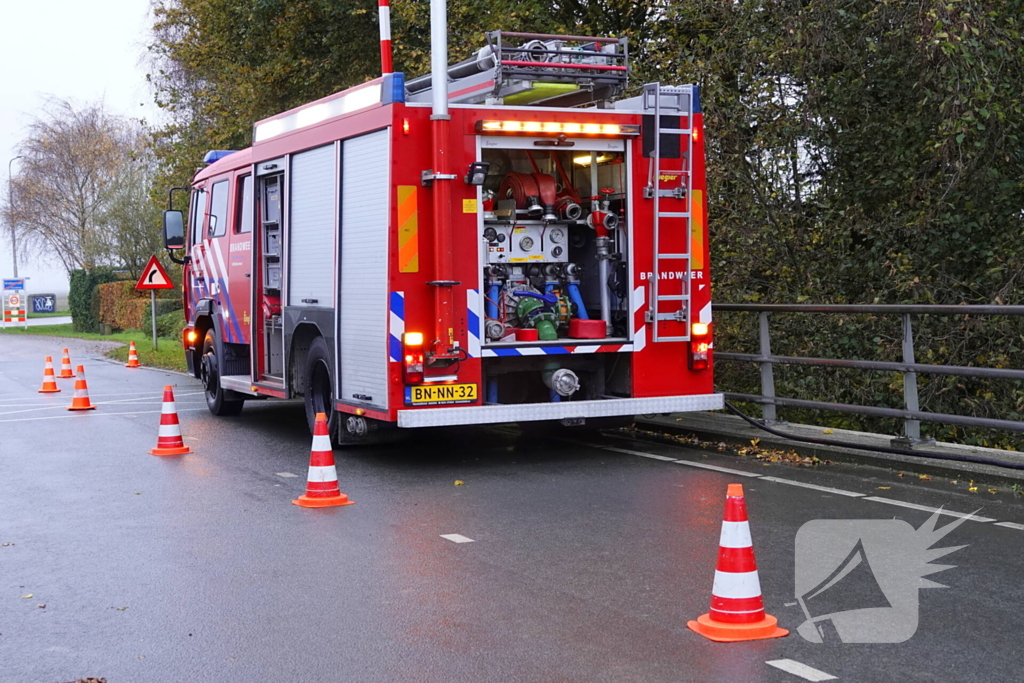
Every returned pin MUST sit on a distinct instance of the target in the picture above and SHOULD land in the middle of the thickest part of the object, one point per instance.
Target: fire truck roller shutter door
(311, 231)
(363, 307)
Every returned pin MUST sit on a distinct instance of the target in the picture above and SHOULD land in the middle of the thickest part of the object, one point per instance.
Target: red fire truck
(504, 240)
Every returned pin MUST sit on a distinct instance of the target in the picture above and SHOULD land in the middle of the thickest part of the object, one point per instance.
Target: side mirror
(174, 230)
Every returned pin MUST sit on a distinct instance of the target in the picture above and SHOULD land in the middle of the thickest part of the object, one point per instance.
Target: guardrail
(911, 414)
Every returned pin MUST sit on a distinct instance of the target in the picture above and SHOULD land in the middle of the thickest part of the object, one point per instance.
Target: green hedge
(82, 299)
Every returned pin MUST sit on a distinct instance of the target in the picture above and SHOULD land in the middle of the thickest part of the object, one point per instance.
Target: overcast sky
(71, 49)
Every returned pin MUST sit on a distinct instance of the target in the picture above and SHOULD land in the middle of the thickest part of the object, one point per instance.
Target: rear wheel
(219, 400)
(317, 387)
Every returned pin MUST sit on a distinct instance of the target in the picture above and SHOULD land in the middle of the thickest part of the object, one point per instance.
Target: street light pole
(10, 219)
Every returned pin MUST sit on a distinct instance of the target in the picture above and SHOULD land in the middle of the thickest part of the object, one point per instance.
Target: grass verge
(169, 355)
(55, 314)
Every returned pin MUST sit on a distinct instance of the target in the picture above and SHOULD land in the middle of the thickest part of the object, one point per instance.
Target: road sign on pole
(154, 277)
(18, 283)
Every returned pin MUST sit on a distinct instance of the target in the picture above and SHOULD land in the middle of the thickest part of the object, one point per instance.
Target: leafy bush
(169, 324)
(121, 306)
(83, 305)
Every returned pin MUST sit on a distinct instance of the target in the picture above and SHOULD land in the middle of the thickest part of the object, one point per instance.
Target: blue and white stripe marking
(396, 306)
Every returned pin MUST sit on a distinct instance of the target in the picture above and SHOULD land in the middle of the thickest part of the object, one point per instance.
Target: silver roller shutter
(364, 274)
(311, 228)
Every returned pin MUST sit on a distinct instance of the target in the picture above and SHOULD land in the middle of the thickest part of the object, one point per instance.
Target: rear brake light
(700, 344)
(412, 357)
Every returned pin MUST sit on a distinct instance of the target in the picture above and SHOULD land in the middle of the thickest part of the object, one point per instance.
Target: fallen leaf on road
(973, 489)
(885, 488)
(41, 605)
(827, 431)
(6, 544)
(899, 474)
(925, 477)
(993, 490)
(26, 597)
(459, 482)
(120, 609)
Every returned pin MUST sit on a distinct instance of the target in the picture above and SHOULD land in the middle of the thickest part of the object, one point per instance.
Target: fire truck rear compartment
(555, 258)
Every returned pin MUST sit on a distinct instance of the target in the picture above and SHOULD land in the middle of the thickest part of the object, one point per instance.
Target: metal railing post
(911, 428)
(768, 413)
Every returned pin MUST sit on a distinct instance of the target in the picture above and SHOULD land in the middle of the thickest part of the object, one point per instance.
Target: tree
(77, 192)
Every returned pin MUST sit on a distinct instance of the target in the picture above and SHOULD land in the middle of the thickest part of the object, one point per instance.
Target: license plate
(440, 394)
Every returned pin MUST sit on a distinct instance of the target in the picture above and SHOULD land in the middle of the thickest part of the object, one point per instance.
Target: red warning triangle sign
(154, 276)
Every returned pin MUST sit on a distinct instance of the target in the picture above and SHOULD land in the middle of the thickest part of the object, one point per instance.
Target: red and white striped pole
(168, 440)
(737, 608)
(384, 7)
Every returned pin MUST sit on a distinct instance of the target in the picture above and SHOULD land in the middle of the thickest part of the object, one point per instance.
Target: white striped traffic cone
(133, 357)
(737, 608)
(65, 367)
(80, 401)
(168, 440)
(49, 381)
(322, 483)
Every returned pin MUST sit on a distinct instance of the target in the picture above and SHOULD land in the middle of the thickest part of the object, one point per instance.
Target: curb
(732, 430)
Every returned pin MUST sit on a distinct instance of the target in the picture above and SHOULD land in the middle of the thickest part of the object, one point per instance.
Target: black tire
(220, 401)
(317, 387)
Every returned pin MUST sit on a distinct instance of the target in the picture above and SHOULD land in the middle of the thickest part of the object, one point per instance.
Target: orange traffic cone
(65, 367)
(49, 383)
(737, 609)
(133, 357)
(322, 482)
(81, 398)
(168, 440)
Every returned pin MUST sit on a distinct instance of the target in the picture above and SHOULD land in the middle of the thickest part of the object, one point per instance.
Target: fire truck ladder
(676, 103)
(535, 69)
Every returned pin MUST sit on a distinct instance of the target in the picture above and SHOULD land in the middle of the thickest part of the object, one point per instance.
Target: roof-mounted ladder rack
(546, 70)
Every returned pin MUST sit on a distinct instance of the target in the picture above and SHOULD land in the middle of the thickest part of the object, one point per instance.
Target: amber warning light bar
(556, 128)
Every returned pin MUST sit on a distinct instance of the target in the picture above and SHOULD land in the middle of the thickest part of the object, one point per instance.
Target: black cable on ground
(881, 449)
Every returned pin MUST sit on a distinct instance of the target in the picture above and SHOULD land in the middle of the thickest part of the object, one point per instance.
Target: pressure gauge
(490, 234)
(557, 235)
(526, 244)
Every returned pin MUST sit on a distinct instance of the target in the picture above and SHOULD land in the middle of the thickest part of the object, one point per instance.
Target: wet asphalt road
(585, 562)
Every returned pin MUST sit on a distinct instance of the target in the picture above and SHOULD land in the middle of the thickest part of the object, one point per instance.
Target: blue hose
(492, 391)
(493, 292)
(574, 296)
(555, 397)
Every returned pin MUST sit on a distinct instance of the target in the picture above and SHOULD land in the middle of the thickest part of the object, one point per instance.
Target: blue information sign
(14, 284)
(43, 304)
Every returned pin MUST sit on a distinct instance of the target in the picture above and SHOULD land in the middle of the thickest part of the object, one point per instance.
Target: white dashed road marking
(1011, 525)
(808, 673)
(285, 474)
(456, 538)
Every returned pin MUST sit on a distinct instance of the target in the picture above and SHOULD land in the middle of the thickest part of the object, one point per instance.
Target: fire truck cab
(535, 251)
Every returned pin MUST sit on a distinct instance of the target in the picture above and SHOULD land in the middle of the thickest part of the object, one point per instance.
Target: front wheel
(217, 398)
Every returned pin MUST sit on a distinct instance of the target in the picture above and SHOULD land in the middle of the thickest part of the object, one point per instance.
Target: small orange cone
(65, 367)
(133, 357)
(81, 398)
(737, 609)
(49, 383)
(322, 482)
(168, 440)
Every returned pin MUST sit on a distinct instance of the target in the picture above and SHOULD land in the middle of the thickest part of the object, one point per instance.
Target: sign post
(12, 307)
(153, 277)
